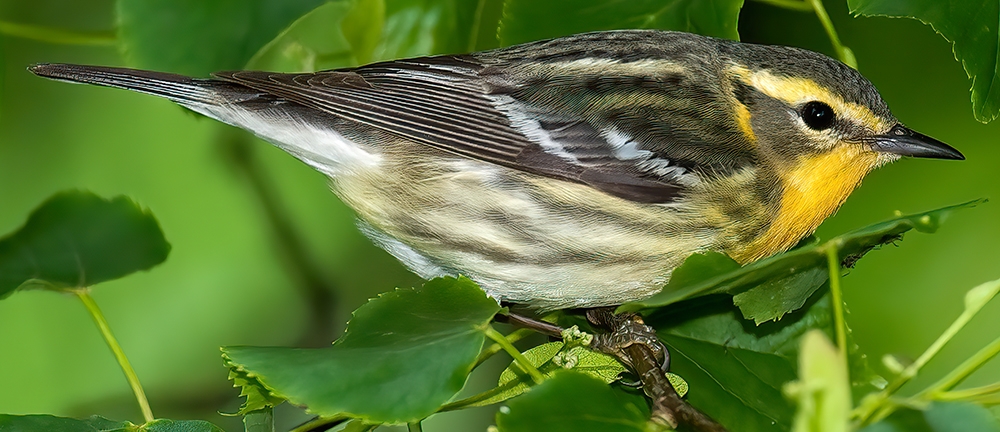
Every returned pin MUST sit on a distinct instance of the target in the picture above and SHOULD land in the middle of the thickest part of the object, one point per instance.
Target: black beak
(905, 142)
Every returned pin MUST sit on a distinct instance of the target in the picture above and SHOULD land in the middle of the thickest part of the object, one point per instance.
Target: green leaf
(574, 402)
(960, 417)
(737, 370)
(335, 35)
(514, 381)
(359, 426)
(425, 27)
(196, 37)
(78, 239)
(162, 425)
(261, 420)
(550, 358)
(48, 423)
(774, 298)
(45, 423)
(363, 28)
(347, 33)
(738, 387)
(257, 396)
(403, 355)
(701, 266)
(795, 274)
(939, 417)
(529, 20)
(972, 28)
(822, 393)
(485, 25)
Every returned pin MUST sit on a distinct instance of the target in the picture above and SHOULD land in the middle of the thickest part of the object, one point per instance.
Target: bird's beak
(903, 141)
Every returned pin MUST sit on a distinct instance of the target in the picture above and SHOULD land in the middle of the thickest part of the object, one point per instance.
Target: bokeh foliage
(224, 284)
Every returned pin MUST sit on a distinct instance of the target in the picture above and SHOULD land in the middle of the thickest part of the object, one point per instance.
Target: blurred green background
(228, 281)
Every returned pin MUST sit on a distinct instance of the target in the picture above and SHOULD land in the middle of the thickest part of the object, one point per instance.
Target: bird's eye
(817, 115)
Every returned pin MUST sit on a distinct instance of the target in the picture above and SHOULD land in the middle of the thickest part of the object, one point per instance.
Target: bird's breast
(524, 238)
(811, 190)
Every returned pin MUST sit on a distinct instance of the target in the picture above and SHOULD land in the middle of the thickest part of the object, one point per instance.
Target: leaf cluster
(406, 354)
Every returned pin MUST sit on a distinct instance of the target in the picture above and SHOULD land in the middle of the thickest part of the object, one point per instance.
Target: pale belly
(525, 239)
(547, 243)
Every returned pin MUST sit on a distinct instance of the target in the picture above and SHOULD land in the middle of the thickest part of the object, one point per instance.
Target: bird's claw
(626, 330)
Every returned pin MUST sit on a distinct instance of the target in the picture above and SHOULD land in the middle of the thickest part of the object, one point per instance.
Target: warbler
(572, 172)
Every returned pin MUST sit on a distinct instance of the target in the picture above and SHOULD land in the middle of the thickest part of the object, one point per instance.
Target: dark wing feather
(444, 103)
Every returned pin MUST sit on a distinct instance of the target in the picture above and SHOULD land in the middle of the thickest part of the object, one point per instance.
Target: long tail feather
(178, 88)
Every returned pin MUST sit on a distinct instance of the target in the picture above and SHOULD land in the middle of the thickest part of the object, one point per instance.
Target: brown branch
(635, 344)
(667, 404)
(522, 321)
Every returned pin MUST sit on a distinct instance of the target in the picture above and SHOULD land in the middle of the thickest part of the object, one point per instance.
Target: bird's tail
(178, 88)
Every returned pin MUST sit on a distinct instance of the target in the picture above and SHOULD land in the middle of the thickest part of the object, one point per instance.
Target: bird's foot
(626, 329)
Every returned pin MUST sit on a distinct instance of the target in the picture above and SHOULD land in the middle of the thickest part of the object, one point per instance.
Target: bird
(574, 172)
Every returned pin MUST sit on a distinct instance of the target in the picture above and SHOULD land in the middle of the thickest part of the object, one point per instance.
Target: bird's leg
(542, 327)
(626, 329)
(635, 344)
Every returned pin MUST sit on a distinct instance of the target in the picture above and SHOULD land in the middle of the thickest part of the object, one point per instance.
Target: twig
(667, 404)
(522, 321)
(632, 343)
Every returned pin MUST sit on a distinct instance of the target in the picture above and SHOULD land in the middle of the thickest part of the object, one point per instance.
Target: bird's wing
(447, 103)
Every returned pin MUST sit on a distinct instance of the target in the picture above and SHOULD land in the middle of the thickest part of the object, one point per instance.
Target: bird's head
(797, 104)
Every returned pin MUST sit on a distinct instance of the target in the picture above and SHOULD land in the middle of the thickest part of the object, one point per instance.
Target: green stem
(837, 297)
(414, 427)
(261, 420)
(461, 404)
(515, 354)
(971, 393)
(479, 397)
(963, 371)
(988, 400)
(843, 52)
(491, 350)
(318, 423)
(55, 35)
(796, 5)
(102, 324)
(873, 405)
(477, 20)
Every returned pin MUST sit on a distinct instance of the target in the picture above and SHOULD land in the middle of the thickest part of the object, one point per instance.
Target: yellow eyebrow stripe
(797, 91)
